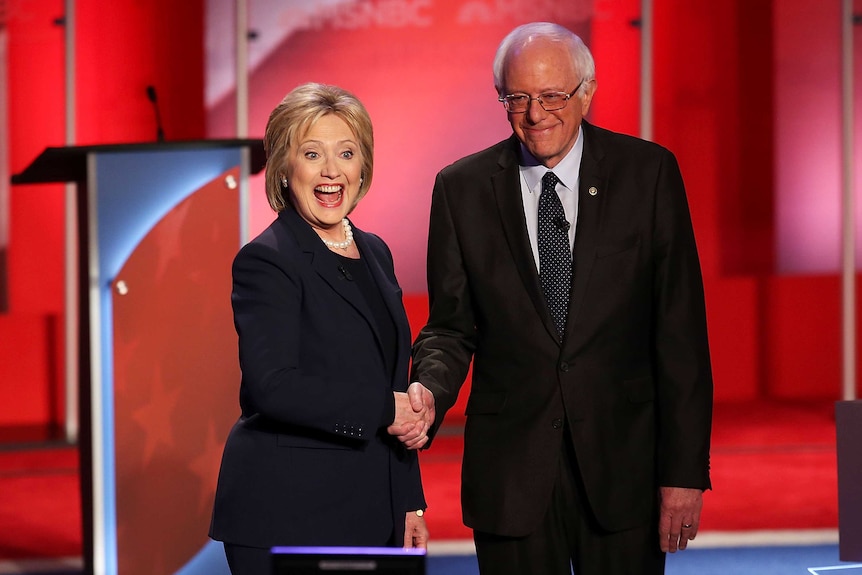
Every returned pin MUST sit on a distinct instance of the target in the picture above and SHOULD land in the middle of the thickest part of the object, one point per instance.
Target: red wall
(122, 47)
(771, 336)
(30, 333)
(127, 45)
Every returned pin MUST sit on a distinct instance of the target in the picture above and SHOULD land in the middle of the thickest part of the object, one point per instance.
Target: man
(579, 299)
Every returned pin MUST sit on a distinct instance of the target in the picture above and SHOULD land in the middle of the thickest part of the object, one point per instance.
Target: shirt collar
(567, 170)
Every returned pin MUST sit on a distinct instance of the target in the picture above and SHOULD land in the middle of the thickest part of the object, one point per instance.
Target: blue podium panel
(143, 201)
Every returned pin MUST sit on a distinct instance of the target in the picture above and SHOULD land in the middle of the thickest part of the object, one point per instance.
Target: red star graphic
(155, 417)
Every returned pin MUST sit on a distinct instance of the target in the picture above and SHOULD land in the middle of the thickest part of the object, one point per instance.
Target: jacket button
(564, 366)
(558, 423)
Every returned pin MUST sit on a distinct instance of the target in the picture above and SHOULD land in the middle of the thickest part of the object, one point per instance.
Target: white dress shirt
(568, 172)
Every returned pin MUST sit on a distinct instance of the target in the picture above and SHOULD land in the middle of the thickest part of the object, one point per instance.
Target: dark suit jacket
(309, 461)
(631, 381)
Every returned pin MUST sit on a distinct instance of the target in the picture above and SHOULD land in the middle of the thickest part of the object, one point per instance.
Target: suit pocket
(628, 243)
(485, 403)
(639, 390)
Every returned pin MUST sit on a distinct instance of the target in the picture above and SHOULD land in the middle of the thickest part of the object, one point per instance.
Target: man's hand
(415, 531)
(414, 415)
(679, 517)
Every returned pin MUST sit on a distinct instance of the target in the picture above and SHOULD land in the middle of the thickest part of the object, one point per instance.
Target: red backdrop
(122, 47)
(771, 335)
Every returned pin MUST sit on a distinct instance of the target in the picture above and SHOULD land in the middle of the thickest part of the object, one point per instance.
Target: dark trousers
(569, 540)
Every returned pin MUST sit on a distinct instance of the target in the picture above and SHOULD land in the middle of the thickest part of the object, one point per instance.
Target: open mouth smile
(329, 195)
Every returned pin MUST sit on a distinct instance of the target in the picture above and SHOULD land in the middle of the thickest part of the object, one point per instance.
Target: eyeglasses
(549, 101)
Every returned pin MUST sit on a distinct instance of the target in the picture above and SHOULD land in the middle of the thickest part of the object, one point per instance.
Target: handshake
(414, 416)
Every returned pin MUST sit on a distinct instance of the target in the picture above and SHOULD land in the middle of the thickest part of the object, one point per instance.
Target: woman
(324, 347)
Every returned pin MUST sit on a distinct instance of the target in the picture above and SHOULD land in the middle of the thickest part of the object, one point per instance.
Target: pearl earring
(284, 181)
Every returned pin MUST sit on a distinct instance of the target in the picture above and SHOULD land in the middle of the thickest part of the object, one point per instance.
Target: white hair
(582, 59)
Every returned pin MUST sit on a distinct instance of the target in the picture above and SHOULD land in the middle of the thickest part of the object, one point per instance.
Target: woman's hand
(415, 530)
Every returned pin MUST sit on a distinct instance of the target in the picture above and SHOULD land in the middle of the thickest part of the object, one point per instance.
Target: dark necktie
(555, 255)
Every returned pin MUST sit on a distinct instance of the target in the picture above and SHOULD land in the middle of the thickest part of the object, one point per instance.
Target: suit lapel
(507, 190)
(391, 294)
(327, 266)
(592, 191)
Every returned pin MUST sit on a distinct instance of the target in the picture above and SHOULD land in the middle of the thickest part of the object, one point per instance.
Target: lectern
(158, 226)
(848, 426)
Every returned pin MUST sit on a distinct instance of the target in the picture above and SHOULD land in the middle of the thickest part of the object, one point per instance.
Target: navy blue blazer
(309, 461)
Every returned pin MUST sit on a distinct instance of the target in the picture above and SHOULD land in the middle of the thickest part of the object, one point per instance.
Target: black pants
(569, 540)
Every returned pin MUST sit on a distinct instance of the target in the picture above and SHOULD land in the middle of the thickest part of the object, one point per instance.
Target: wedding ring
(686, 526)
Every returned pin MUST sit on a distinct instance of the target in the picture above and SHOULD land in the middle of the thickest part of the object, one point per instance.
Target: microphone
(562, 224)
(151, 96)
(344, 273)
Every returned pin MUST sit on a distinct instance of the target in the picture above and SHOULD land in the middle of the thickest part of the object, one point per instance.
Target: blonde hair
(291, 120)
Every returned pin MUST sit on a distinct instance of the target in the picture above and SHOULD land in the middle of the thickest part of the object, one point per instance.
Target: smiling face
(324, 173)
(536, 68)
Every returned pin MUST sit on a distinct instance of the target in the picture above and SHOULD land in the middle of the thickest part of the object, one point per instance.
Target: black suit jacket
(631, 379)
(309, 461)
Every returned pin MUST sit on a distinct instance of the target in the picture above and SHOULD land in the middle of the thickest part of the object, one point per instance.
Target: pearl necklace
(348, 237)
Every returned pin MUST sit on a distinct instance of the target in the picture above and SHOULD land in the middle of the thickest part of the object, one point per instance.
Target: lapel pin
(592, 191)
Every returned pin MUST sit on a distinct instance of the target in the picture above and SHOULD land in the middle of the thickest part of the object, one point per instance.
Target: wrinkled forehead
(539, 64)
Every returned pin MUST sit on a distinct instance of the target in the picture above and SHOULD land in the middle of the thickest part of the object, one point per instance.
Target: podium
(848, 428)
(158, 227)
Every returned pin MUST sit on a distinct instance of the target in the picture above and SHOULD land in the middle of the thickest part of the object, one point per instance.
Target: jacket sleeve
(444, 347)
(684, 376)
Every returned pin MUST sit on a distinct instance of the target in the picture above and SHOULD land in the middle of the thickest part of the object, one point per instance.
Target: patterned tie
(555, 255)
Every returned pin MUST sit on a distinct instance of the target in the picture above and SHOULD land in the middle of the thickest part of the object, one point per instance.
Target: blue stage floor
(776, 560)
(807, 560)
